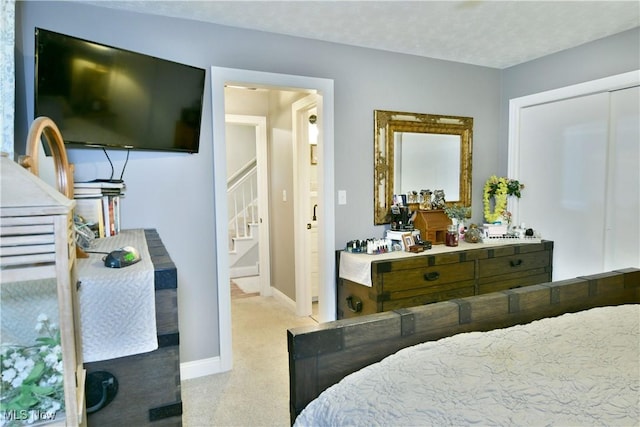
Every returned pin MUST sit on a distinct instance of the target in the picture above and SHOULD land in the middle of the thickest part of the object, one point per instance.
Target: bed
(564, 353)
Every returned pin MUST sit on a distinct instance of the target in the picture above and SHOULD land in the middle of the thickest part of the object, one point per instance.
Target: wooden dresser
(470, 269)
(149, 392)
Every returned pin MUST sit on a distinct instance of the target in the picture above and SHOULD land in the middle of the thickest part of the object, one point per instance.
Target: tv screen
(102, 96)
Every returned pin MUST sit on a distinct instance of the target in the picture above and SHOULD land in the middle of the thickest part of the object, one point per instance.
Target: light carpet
(256, 392)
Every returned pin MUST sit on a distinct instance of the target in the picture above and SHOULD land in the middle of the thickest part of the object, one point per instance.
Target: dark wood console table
(149, 383)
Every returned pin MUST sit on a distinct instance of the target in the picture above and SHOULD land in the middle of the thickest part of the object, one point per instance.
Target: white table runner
(117, 305)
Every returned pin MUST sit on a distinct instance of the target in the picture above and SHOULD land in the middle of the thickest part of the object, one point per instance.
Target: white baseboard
(249, 270)
(291, 304)
(200, 368)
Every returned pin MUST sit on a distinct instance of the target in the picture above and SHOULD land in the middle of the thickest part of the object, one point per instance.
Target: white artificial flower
(42, 317)
(50, 359)
(23, 364)
(8, 374)
(19, 379)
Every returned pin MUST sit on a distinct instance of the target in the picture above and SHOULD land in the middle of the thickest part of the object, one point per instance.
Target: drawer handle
(354, 304)
(430, 277)
(515, 262)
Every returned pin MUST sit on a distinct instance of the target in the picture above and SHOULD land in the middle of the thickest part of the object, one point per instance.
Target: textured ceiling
(495, 34)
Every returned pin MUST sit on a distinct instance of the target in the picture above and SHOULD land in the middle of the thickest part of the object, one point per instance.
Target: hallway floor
(256, 391)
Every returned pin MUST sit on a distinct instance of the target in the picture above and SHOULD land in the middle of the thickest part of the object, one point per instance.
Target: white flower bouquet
(32, 380)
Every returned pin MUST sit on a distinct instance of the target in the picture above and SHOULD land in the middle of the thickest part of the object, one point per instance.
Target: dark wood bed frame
(320, 356)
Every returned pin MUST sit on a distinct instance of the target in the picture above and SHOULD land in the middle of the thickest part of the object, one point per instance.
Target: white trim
(200, 368)
(302, 201)
(247, 270)
(291, 304)
(619, 81)
(326, 245)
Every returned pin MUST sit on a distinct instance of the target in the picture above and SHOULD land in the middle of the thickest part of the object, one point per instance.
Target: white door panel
(579, 160)
(622, 242)
(562, 150)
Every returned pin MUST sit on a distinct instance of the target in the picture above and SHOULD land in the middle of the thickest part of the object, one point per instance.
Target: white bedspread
(574, 370)
(117, 305)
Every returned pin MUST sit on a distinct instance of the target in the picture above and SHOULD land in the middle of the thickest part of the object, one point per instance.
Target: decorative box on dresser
(399, 280)
(432, 225)
(149, 391)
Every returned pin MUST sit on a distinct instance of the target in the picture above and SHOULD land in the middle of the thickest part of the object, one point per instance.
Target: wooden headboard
(321, 355)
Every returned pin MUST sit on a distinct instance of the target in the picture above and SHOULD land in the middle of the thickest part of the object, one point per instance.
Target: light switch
(342, 197)
(284, 195)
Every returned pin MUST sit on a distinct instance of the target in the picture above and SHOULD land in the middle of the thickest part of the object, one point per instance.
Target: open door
(307, 143)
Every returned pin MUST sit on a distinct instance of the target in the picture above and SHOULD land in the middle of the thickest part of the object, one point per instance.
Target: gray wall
(617, 54)
(174, 193)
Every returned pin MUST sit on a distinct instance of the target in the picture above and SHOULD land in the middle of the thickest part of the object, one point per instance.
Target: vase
(459, 223)
(473, 234)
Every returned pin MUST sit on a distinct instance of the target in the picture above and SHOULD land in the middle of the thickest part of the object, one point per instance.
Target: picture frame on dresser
(408, 241)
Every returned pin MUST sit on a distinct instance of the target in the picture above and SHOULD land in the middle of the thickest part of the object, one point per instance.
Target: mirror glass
(410, 172)
(416, 152)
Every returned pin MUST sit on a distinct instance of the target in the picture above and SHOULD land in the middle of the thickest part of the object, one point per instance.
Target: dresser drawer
(427, 277)
(517, 263)
(418, 296)
(513, 280)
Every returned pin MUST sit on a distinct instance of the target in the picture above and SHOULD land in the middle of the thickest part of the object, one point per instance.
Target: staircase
(242, 200)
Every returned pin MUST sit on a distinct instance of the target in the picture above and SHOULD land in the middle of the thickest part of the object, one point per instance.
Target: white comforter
(576, 369)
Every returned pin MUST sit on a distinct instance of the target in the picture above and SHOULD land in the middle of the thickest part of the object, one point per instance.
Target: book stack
(98, 204)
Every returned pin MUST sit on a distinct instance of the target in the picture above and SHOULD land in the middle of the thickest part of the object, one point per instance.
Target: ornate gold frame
(388, 122)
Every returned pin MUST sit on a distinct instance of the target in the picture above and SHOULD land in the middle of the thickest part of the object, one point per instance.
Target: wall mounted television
(102, 96)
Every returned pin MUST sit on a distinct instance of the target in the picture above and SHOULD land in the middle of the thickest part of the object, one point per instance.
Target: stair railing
(242, 200)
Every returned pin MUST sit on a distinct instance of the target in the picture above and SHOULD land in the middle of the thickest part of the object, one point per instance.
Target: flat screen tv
(102, 96)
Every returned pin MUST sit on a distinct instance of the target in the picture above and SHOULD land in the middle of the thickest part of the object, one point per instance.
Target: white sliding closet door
(622, 239)
(578, 158)
(563, 152)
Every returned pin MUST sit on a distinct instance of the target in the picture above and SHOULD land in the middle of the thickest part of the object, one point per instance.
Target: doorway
(326, 289)
(248, 202)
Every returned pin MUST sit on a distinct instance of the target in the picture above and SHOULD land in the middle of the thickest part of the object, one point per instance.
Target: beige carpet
(256, 392)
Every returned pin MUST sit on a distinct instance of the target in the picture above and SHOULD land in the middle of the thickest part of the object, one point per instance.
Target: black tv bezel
(88, 145)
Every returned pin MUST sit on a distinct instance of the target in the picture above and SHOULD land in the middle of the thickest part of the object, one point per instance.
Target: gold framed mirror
(416, 151)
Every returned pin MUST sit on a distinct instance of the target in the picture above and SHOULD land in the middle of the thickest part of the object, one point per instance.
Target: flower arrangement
(459, 213)
(32, 378)
(499, 189)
